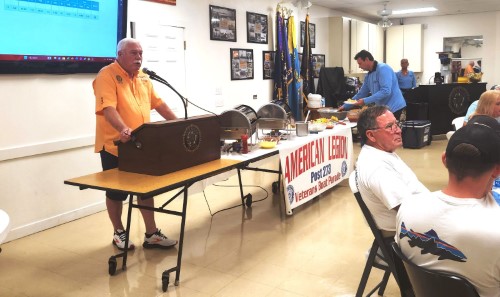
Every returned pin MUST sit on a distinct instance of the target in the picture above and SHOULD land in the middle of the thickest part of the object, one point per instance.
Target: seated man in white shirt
(457, 229)
(384, 180)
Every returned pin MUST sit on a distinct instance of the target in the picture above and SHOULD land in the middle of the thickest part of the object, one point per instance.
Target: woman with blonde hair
(488, 104)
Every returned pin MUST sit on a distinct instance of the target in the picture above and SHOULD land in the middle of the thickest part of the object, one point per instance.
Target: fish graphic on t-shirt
(430, 242)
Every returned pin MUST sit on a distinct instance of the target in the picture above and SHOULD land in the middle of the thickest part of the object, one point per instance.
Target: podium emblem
(459, 100)
(191, 138)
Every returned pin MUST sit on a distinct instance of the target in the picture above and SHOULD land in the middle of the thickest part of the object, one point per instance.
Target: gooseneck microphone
(148, 72)
(156, 77)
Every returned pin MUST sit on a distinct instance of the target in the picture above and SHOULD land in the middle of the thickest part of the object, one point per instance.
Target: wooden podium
(163, 147)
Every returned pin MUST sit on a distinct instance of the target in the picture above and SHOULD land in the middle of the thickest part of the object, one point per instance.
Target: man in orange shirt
(124, 98)
(469, 69)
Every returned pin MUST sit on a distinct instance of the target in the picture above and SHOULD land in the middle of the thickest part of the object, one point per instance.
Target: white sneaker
(119, 240)
(158, 240)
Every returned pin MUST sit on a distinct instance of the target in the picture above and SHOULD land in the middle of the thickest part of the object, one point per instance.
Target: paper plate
(267, 144)
(348, 105)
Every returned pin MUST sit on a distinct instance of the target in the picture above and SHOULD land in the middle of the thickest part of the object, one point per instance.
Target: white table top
(294, 141)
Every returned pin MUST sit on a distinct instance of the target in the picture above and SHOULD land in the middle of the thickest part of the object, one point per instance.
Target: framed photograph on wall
(222, 23)
(318, 62)
(256, 28)
(241, 63)
(312, 33)
(268, 64)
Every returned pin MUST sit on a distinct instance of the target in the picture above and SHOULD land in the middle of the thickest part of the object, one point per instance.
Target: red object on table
(244, 144)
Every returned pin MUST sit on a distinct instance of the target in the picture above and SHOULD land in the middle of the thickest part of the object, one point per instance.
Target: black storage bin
(416, 134)
(417, 111)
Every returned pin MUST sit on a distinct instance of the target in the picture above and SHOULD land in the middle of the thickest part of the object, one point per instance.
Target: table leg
(165, 277)
(247, 199)
(112, 260)
(181, 237)
(241, 188)
(127, 236)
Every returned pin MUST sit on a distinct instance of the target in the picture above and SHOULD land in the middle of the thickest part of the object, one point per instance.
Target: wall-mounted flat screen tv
(60, 36)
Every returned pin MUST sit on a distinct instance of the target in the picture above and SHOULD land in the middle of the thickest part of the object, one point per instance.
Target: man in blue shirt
(406, 78)
(380, 85)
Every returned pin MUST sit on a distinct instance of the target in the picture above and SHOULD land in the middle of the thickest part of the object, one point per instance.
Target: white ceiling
(368, 8)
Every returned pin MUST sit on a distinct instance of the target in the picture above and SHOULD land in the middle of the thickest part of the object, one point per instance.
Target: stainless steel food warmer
(235, 122)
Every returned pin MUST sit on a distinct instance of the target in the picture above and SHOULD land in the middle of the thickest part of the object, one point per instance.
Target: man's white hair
(124, 42)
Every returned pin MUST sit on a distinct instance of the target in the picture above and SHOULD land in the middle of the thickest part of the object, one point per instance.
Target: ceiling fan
(302, 4)
(385, 13)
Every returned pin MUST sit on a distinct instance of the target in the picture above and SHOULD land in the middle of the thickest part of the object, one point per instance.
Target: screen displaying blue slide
(55, 30)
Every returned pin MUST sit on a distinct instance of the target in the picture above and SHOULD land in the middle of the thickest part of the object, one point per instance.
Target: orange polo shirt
(133, 99)
(468, 70)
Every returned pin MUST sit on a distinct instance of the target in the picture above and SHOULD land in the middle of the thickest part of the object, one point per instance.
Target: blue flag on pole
(294, 82)
(279, 92)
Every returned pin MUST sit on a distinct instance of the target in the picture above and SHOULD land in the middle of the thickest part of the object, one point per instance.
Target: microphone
(156, 77)
(148, 72)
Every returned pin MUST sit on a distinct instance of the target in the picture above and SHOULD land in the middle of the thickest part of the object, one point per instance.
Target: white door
(163, 48)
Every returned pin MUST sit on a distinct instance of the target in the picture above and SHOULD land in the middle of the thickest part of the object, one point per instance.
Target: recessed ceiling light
(414, 10)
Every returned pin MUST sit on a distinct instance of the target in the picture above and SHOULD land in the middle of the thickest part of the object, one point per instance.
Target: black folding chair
(382, 244)
(428, 283)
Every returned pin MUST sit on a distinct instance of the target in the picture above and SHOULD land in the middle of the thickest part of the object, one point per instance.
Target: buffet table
(310, 165)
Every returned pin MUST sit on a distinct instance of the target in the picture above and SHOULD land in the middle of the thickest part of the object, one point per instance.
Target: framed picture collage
(223, 28)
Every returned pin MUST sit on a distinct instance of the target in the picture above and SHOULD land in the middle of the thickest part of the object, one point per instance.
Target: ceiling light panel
(414, 10)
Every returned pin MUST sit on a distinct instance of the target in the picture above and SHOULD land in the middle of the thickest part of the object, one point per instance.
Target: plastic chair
(384, 245)
(4, 226)
(457, 123)
(428, 283)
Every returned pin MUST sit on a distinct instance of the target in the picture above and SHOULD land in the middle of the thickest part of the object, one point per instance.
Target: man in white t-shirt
(457, 229)
(383, 178)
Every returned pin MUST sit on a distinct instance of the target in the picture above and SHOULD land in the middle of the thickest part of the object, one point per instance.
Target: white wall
(436, 28)
(48, 120)
(41, 114)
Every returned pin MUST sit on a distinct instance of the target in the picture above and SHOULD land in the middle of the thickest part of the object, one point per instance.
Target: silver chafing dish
(275, 115)
(235, 122)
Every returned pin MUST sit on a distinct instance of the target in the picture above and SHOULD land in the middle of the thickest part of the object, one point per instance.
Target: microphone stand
(154, 76)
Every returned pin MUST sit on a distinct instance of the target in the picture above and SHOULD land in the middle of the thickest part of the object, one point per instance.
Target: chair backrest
(458, 122)
(364, 209)
(428, 283)
(4, 225)
(395, 265)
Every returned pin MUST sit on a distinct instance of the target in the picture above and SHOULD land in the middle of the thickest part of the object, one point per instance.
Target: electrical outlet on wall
(254, 97)
(219, 101)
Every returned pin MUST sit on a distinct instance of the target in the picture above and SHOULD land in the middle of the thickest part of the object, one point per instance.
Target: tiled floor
(319, 251)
